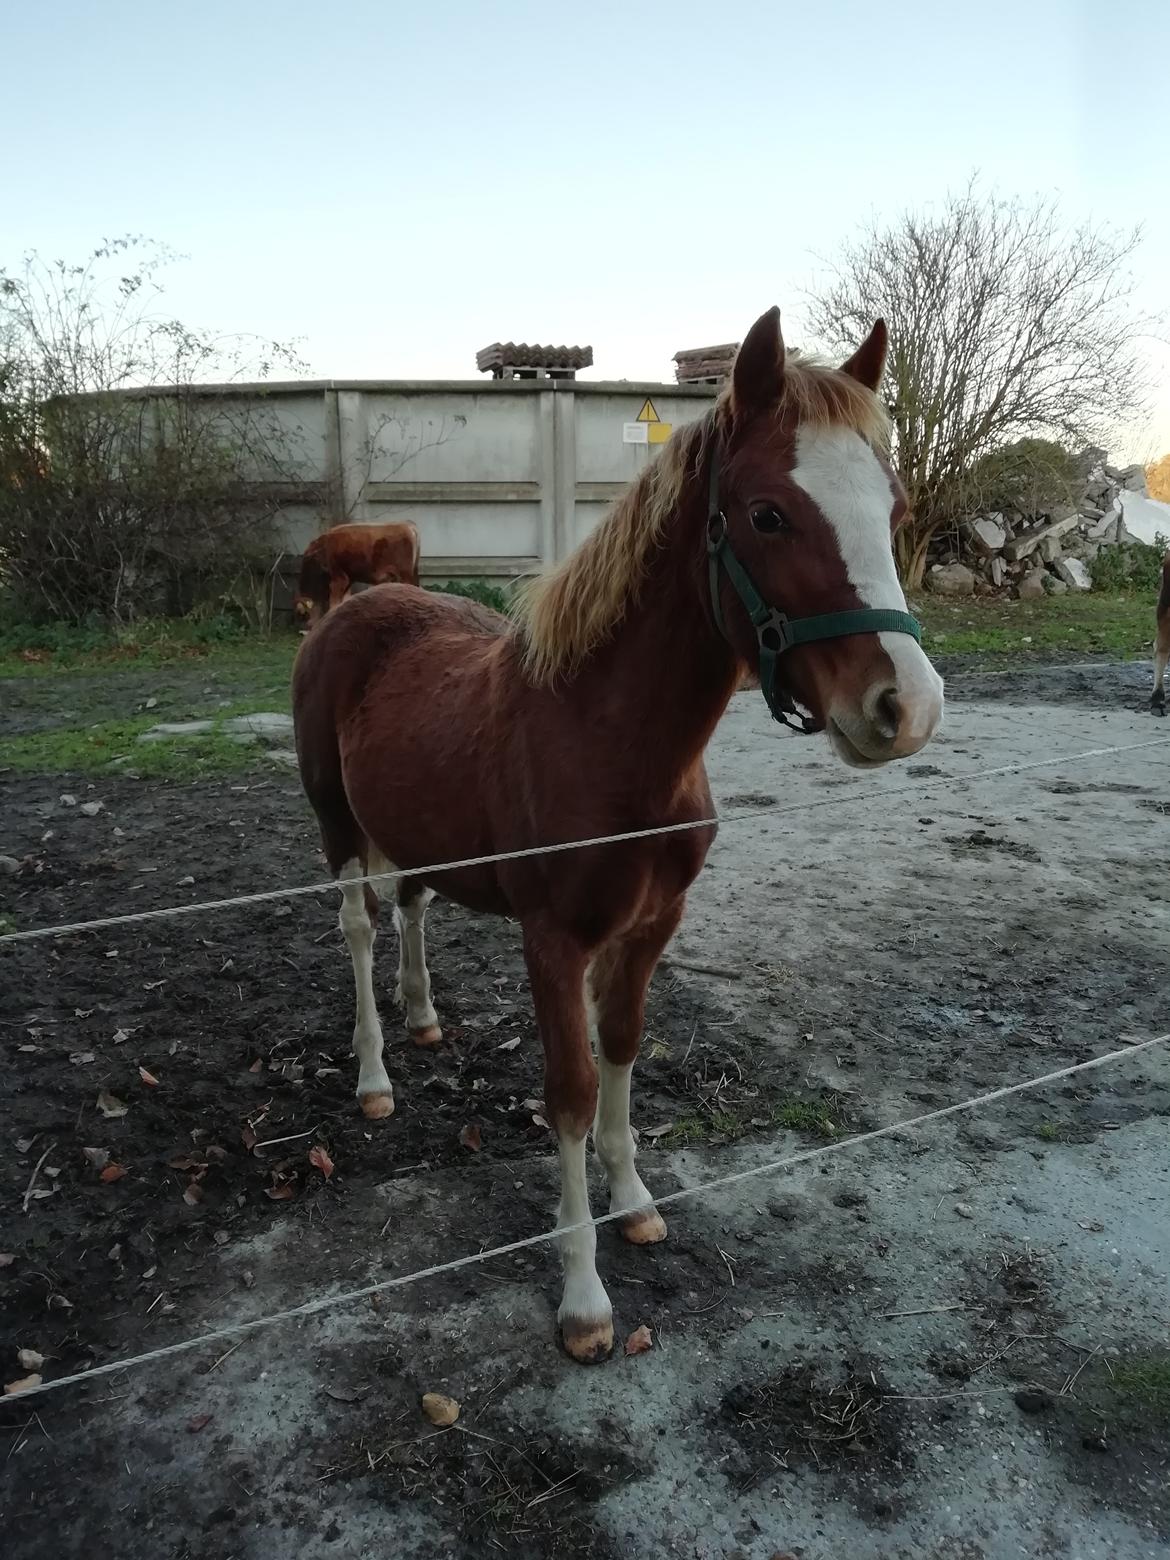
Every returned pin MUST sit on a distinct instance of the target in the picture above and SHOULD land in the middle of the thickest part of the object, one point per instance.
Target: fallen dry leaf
(509, 1045)
(29, 1359)
(148, 1078)
(22, 1145)
(112, 1173)
(440, 1409)
(186, 1162)
(110, 1105)
(81, 1058)
(192, 1194)
(25, 1384)
(657, 1132)
(6, 1259)
(471, 1137)
(98, 1158)
(248, 1138)
(539, 1121)
(200, 1422)
(121, 1036)
(639, 1341)
(257, 1065)
(214, 1152)
(319, 1157)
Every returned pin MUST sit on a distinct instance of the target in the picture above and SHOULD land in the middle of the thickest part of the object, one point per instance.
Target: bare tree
(1004, 322)
(114, 502)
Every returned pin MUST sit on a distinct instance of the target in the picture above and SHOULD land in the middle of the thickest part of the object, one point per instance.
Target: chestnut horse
(429, 730)
(1162, 641)
(354, 555)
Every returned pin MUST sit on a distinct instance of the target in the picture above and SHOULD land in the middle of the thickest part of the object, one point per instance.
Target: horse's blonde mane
(564, 614)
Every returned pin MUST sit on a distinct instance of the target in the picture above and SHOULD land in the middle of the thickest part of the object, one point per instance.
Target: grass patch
(7, 924)
(724, 1124)
(114, 746)
(1144, 1381)
(1084, 623)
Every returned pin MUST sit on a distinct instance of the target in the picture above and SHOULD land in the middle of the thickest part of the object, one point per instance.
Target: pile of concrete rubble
(1038, 554)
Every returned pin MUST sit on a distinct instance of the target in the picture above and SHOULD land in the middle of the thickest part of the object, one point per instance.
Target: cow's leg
(556, 970)
(618, 979)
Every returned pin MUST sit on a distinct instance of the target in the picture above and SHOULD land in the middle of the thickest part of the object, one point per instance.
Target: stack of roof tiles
(704, 365)
(504, 357)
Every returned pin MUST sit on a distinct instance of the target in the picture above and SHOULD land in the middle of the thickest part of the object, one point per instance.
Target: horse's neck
(665, 676)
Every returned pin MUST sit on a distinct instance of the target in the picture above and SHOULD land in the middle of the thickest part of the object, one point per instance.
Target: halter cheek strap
(775, 632)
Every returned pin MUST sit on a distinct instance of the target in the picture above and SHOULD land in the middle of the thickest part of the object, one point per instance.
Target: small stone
(67, 801)
(964, 1210)
(91, 809)
(440, 1409)
(1031, 1400)
(1031, 587)
(9, 866)
(152, 704)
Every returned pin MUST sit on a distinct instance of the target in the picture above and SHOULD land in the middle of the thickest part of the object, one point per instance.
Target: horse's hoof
(376, 1107)
(431, 1035)
(645, 1228)
(589, 1343)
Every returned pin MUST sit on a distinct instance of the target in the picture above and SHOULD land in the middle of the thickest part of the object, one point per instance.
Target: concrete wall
(500, 477)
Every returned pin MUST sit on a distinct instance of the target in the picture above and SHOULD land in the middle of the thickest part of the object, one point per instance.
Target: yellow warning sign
(658, 432)
(648, 414)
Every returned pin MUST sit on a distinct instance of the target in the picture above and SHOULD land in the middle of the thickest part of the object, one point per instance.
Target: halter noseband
(775, 632)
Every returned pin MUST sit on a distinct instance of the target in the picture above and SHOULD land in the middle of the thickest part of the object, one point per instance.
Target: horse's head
(804, 506)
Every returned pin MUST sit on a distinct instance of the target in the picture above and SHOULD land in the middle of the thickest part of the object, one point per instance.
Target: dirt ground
(948, 1346)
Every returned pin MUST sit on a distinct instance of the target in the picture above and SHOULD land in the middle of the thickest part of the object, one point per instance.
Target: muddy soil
(917, 1348)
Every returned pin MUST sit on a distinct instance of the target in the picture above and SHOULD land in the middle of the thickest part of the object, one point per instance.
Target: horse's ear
(868, 363)
(759, 367)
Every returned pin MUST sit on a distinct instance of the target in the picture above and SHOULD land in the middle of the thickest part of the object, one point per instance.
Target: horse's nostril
(888, 712)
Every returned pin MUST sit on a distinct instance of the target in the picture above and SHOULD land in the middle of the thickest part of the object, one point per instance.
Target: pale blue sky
(398, 185)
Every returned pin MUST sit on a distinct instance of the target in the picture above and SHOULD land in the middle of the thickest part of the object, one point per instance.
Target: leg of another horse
(618, 980)
(338, 585)
(556, 969)
(359, 913)
(414, 979)
(1161, 658)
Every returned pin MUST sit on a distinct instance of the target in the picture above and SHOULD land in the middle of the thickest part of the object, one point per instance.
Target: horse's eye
(769, 520)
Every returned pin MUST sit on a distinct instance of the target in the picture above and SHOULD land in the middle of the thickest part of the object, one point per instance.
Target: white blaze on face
(844, 478)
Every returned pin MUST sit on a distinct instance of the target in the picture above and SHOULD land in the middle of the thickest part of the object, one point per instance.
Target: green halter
(775, 632)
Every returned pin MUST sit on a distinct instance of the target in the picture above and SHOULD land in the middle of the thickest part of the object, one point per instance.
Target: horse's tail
(1164, 598)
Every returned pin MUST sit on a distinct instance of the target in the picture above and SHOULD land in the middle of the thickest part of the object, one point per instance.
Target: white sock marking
(414, 979)
(583, 1298)
(359, 935)
(614, 1140)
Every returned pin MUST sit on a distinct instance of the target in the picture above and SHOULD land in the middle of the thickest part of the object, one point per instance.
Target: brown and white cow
(354, 555)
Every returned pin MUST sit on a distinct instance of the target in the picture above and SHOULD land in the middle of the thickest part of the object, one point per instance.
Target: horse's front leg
(556, 969)
(618, 980)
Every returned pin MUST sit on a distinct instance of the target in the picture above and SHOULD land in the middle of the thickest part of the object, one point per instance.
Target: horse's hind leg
(618, 980)
(414, 979)
(358, 917)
